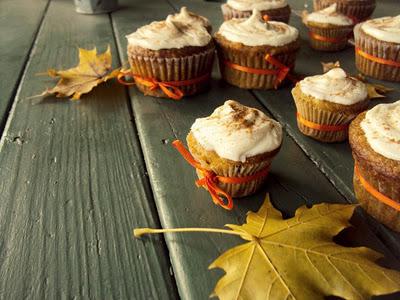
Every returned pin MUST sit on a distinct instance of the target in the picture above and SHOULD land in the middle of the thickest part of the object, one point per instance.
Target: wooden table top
(77, 177)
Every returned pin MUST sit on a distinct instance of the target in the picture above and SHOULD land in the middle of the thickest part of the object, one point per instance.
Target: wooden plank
(19, 23)
(73, 183)
(179, 202)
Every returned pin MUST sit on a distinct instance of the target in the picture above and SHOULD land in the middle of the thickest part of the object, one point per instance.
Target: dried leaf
(329, 66)
(375, 90)
(92, 70)
(297, 259)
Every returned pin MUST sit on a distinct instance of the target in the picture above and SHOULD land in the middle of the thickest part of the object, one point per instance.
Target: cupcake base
(381, 173)
(334, 38)
(170, 66)
(279, 14)
(325, 113)
(228, 168)
(379, 49)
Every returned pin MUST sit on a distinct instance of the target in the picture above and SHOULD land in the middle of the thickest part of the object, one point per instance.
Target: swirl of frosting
(187, 17)
(382, 129)
(254, 31)
(334, 86)
(329, 15)
(236, 132)
(245, 5)
(169, 34)
(385, 29)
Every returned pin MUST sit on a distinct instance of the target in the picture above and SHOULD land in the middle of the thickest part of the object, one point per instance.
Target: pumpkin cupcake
(377, 47)
(171, 58)
(375, 141)
(326, 104)
(235, 141)
(254, 54)
(329, 30)
(272, 10)
(188, 17)
(357, 10)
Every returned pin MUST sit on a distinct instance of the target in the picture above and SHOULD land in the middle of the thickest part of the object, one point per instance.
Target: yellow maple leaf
(92, 70)
(296, 258)
(327, 66)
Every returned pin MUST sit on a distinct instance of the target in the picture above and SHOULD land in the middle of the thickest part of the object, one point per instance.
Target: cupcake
(188, 17)
(326, 104)
(357, 10)
(377, 47)
(235, 141)
(329, 29)
(171, 58)
(272, 10)
(375, 142)
(254, 54)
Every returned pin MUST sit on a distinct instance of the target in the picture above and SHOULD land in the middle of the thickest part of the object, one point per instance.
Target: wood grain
(294, 179)
(73, 183)
(19, 24)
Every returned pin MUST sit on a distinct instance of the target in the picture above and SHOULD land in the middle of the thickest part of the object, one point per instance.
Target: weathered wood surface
(19, 24)
(179, 202)
(73, 183)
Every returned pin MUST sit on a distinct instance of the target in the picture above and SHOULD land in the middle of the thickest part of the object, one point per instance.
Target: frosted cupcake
(254, 54)
(273, 10)
(377, 46)
(375, 142)
(326, 104)
(171, 58)
(329, 29)
(235, 141)
(188, 17)
(358, 10)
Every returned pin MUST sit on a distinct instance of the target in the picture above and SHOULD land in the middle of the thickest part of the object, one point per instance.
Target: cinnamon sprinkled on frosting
(328, 15)
(186, 16)
(382, 129)
(385, 29)
(246, 5)
(236, 132)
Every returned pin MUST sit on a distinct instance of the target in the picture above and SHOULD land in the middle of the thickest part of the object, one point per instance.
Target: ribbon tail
(171, 91)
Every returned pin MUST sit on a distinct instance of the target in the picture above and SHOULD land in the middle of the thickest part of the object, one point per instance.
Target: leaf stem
(138, 232)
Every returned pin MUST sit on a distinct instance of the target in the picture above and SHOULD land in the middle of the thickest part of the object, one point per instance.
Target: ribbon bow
(170, 88)
(210, 180)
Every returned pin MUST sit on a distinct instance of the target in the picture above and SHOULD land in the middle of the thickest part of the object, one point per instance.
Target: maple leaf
(92, 70)
(329, 66)
(374, 90)
(296, 258)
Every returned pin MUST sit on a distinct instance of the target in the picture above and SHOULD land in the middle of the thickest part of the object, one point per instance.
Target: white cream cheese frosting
(329, 15)
(254, 31)
(245, 5)
(334, 86)
(382, 129)
(236, 132)
(185, 16)
(169, 34)
(385, 29)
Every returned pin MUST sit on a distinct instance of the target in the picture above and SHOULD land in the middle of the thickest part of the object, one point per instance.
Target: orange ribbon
(281, 73)
(322, 38)
(320, 127)
(377, 59)
(170, 88)
(375, 193)
(210, 180)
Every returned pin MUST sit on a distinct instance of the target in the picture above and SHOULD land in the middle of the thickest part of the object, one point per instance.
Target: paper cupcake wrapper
(173, 69)
(361, 10)
(377, 48)
(340, 33)
(386, 186)
(279, 14)
(316, 115)
(241, 170)
(247, 80)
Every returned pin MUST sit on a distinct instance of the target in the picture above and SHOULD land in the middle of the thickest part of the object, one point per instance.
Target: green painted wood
(73, 183)
(179, 202)
(19, 23)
